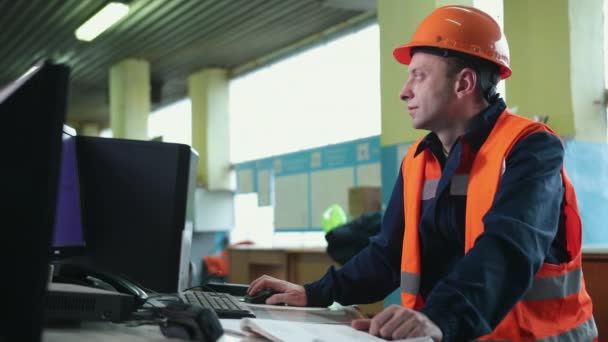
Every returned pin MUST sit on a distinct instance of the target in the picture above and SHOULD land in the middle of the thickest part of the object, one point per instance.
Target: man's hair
(488, 73)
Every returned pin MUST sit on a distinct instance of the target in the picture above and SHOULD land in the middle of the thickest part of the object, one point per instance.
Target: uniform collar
(479, 128)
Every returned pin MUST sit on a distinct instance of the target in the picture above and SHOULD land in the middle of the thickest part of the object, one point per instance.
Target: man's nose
(406, 92)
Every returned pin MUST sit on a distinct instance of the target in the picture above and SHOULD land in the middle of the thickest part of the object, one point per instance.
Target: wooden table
(595, 271)
(296, 265)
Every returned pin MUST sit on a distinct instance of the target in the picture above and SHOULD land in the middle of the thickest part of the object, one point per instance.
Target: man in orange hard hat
(482, 234)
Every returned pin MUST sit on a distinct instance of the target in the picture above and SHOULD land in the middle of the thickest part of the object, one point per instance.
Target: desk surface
(105, 331)
(298, 249)
(102, 332)
(596, 249)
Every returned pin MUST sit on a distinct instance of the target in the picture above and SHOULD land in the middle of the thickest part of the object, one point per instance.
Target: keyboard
(224, 305)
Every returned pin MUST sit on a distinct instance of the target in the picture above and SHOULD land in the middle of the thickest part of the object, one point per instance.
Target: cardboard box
(364, 199)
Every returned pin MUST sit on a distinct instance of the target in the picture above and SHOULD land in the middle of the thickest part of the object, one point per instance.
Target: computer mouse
(260, 296)
(190, 322)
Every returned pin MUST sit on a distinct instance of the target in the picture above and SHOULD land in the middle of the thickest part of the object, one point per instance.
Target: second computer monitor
(68, 237)
(137, 208)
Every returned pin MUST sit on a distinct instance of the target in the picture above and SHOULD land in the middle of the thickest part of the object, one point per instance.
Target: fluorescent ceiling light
(101, 21)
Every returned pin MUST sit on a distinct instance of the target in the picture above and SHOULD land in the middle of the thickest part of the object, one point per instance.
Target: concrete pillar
(208, 91)
(558, 64)
(587, 69)
(493, 7)
(397, 20)
(130, 99)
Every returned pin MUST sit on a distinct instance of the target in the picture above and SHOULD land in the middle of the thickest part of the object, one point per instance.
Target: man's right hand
(290, 294)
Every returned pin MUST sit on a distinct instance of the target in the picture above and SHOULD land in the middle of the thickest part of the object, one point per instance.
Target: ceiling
(177, 37)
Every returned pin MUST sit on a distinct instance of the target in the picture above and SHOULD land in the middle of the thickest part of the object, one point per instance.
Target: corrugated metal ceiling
(177, 37)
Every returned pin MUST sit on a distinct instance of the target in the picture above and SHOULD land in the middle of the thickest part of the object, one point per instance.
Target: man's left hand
(397, 322)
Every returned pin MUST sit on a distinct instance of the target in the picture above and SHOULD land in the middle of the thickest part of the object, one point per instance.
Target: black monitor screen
(68, 217)
(135, 208)
(32, 111)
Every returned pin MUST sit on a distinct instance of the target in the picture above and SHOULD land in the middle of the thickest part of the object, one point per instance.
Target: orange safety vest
(557, 304)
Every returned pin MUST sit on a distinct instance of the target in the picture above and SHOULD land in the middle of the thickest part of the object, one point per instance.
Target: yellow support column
(557, 60)
(130, 99)
(208, 91)
(397, 20)
(587, 69)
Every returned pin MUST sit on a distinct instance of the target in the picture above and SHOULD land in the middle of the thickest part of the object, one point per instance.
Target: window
(322, 96)
(325, 95)
(172, 123)
(251, 222)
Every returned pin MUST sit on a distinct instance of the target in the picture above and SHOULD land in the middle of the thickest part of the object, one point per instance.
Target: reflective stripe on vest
(458, 186)
(559, 286)
(584, 332)
(410, 283)
(556, 307)
(555, 287)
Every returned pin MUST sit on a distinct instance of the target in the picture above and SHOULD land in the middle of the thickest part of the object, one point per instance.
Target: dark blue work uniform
(466, 296)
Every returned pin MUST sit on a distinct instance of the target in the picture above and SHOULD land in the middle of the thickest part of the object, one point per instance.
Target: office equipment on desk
(224, 305)
(234, 289)
(32, 112)
(79, 292)
(111, 332)
(260, 297)
(75, 303)
(190, 322)
(174, 320)
(138, 209)
(91, 275)
(124, 230)
(68, 234)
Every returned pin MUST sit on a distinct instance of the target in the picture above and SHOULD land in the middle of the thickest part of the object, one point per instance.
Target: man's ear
(466, 82)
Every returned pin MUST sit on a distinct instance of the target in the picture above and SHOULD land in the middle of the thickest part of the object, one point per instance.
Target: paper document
(233, 327)
(278, 331)
(286, 307)
(332, 315)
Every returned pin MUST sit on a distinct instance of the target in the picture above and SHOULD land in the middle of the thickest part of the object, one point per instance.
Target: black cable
(151, 315)
(203, 288)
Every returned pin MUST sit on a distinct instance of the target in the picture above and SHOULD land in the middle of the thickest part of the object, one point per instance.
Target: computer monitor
(138, 209)
(32, 113)
(68, 237)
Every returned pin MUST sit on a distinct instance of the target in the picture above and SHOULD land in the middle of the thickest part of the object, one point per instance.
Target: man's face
(428, 91)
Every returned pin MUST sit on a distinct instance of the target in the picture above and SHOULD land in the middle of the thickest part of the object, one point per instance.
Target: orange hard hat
(460, 28)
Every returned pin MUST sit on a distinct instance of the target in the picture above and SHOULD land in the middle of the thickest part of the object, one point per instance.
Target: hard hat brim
(403, 55)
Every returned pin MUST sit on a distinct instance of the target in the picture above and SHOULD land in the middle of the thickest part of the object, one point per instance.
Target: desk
(595, 267)
(111, 332)
(296, 265)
